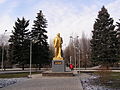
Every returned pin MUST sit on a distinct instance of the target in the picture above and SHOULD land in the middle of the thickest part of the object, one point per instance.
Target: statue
(58, 47)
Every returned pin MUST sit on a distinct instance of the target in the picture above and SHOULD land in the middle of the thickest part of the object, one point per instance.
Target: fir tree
(118, 38)
(40, 46)
(0, 53)
(104, 42)
(19, 42)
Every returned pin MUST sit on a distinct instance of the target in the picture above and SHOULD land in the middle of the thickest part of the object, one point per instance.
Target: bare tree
(72, 51)
(51, 48)
(67, 55)
(69, 52)
(85, 51)
(4, 39)
(3, 50)
(78, 50)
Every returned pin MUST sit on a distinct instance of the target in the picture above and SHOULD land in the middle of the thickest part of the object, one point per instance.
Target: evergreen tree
(118, 37)
(104, 41)
(0, 54)
(40, 45)
(19, 42)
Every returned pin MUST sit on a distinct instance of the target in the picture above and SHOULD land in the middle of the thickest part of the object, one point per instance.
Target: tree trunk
(22, 66)
(4, 68)
(36, 66)
(39, 67)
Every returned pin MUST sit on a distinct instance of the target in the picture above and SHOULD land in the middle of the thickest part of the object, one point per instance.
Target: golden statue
(58, 47)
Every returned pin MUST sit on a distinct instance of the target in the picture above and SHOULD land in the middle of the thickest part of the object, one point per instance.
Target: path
(47, 83)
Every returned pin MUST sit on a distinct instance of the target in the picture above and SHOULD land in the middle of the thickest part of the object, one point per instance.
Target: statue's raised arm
(58, 47)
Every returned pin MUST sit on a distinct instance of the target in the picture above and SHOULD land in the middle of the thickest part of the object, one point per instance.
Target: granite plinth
(58, 66)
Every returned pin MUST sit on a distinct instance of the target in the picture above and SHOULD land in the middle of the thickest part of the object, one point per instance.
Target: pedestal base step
(58, 74)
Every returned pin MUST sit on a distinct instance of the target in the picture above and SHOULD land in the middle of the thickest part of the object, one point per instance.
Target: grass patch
(114, 80)
(115, 75)
(108, 79)
(17, 75)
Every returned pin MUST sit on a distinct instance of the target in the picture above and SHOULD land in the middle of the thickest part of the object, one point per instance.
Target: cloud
(6, 23)
(66, 18)
(114, 9)
(7, 18)
(2, 1)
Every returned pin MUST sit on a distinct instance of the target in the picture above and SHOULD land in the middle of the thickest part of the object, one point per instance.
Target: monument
(58, 64)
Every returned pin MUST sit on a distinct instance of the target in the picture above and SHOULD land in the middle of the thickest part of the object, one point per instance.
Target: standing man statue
(58, 47)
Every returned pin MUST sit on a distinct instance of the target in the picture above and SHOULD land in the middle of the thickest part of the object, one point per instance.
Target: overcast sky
(69, 17)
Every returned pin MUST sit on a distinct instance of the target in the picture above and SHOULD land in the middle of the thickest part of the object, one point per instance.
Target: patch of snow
(6, 82)
(88, 86)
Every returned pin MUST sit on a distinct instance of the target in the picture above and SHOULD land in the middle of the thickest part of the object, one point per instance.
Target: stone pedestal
(58, 66)
(58, 70)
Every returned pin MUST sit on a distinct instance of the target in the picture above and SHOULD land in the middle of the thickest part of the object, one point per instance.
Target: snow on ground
(86, 83)
(5, 82)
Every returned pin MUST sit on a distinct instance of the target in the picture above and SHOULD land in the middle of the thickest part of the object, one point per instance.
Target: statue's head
(58, 34)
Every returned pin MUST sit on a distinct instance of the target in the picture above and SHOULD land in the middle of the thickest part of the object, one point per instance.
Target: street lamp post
(78, 49)
(30, 57)
(75, 55)
(75, 50)
(79, 61)
(70, 59)
(2, 57)
(31, 41)
(2, 66)
(70, 53)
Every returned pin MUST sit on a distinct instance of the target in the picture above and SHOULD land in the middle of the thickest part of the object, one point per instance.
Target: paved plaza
(47, 83)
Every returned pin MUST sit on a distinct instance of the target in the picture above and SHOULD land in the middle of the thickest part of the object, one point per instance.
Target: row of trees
(104, 47)
(19, 42)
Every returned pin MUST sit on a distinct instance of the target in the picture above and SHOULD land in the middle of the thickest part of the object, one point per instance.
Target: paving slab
(47, 83)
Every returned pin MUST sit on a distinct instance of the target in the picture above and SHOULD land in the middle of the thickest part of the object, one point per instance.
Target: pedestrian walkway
(47, 83)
